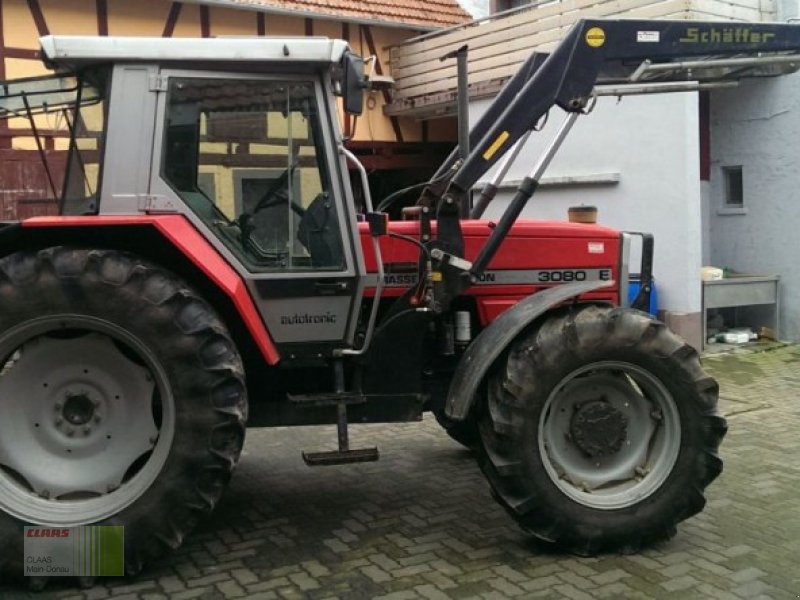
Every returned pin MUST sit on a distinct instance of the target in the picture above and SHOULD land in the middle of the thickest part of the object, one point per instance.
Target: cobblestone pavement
(421, 523)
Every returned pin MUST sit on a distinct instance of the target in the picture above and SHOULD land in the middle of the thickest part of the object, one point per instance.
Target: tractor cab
(240, 136)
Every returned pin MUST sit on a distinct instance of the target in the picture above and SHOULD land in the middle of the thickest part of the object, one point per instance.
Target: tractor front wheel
(464, 432)
(122, 401)
(600, 430)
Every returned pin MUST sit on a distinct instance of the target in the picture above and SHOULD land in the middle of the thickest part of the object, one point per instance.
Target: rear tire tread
(57, 279)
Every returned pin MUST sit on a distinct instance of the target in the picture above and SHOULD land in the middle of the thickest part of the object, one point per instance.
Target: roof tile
(427, 13)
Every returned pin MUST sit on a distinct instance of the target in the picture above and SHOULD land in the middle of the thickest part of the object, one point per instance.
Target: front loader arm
(619, 51)
(594, 53)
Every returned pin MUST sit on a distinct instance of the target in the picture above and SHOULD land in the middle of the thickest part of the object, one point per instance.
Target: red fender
(196, 248)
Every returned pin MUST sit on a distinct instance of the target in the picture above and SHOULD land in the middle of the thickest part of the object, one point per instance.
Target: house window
(734, 190)
(501, 5)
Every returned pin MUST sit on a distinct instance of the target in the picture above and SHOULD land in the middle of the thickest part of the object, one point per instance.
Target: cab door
(252, 162)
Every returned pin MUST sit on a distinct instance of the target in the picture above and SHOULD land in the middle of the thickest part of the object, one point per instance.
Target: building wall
(21, 31)
(757, 126)
(650, 145)
(373, 135)
(498, 46)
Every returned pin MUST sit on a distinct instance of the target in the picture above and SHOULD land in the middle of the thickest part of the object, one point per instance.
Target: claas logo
(47, 533)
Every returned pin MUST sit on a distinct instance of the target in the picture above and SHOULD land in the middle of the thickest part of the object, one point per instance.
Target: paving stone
(231, 589)
(679, 583)
(189, 594)
(244, 576)
(431, 592)
(208, 580)
(376, 574)
(270, 584)
(505, 586)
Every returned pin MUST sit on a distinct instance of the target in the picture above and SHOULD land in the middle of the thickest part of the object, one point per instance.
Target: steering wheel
(276, 194)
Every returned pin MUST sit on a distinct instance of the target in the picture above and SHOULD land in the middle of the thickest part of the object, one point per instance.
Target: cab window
(247, 157)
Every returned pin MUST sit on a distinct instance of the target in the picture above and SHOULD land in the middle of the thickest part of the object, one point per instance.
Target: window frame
(727, 207)
(331, 169)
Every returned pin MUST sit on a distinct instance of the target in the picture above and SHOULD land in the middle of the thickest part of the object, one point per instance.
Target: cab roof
(73, 51)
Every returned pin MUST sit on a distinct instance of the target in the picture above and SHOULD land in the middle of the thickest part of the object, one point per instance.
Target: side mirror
(353, 83)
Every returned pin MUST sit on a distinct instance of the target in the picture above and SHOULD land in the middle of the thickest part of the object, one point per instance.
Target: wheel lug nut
(59, 421)
(153, 439)
(70, 432)
(97, 418)
(87, 430)
(58, 406)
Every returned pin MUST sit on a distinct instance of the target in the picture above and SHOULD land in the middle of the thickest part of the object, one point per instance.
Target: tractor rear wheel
(122, 401)
(600, 430)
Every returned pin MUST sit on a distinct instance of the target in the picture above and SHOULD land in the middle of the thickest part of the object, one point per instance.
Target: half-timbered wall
(374, 135)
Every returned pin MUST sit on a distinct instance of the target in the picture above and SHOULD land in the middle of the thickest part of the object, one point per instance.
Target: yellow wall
(19, 30)
(149, 17)
(232, 22)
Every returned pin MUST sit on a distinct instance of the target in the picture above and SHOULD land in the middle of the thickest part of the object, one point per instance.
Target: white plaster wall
(757, 126)
(652, 142)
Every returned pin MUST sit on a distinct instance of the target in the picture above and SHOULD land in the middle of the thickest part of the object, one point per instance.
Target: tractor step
(339, 398)
(340, 457)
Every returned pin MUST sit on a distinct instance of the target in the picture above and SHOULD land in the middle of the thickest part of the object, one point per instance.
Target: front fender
(492, 342)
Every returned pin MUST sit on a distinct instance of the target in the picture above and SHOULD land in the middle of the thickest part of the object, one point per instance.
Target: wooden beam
(4, 143)
(102, 17)
(38, 17)
(2, 50)
(28, 132)
(205, 22)
(393, 156)
(261, 24)
(172, 19)
(28, 155)
(265, 161)
(309, 26)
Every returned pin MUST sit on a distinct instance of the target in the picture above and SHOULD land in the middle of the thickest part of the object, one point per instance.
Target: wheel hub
(609, 434)
(94, 428)
(78, 408)
(598, 428)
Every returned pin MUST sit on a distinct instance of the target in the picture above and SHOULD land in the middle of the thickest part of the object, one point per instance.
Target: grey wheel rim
(609, 435)
(86, 420)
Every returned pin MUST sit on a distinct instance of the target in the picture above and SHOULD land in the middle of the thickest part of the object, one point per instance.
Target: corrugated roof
(419, 13)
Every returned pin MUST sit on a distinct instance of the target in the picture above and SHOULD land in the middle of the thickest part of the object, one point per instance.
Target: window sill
(590, 179)
(731, 210)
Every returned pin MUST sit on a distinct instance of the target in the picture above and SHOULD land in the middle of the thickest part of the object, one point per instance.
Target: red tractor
(210, 269)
